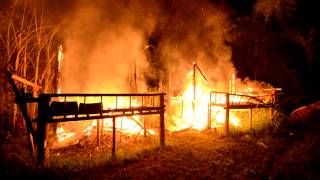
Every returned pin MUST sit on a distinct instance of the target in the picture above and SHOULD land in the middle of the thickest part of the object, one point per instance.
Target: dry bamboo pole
(27, 40)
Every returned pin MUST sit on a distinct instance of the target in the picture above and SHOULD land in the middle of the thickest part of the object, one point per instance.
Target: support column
(113, 136)
(43, 116)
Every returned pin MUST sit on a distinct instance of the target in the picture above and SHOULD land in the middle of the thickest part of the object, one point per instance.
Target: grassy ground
(189, 154)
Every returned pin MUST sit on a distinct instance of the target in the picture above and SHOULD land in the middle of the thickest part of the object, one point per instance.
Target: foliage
(281, 10)
(275, 45)
(28, 46)
(28, 49)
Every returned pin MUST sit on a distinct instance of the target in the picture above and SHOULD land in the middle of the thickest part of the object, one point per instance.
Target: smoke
(197, 33)
(130, 45)
(104, 47)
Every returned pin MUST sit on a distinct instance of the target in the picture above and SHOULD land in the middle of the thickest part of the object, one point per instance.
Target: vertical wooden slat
(98, 132)
(144, 126)
(113, 136)
(250, 117)
(209, 117)
(162, 125)
(194, 81)
(226, 124)
(120, 138)
(102, 120)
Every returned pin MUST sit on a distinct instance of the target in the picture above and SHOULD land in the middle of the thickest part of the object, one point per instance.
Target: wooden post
(226, 124)
(209, 114)
(43, 115)
(250, 117)
(270, 116)
(102, 127)
(102, 123)
(98, 132)
(209, 117)
(120, 133)
(194, 81)
(162, 125)
(145, 126)
(113, 137)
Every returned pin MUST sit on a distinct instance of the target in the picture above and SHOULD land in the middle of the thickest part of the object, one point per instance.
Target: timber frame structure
(54, 108)
(229, 101)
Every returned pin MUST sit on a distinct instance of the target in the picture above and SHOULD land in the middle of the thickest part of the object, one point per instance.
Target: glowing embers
(61, 134)
(127, 125)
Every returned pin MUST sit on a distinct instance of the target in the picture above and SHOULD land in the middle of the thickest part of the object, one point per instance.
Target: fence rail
(53, 108)
(240, 101)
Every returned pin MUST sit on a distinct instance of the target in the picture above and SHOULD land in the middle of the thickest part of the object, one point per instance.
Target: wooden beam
(24, 81)
(31, 134)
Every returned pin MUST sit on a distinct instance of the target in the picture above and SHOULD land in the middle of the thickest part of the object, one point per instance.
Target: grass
(278, 153)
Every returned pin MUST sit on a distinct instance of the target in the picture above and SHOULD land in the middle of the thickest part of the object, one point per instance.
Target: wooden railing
(240, 101)
(69, 107)
(54, 108)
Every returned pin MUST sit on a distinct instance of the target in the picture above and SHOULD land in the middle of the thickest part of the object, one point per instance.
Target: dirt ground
(189, 154)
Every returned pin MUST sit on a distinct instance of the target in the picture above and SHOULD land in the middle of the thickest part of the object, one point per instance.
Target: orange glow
(192, 110)
(62, 135)
(195, 108)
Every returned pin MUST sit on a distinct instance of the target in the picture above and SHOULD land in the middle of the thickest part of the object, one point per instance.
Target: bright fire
(194, 113)
(189, 110)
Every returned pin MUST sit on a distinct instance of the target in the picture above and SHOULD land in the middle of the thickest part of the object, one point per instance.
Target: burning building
(118, 49)
(155, 47)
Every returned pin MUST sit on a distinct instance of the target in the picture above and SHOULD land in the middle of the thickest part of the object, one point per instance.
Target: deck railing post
(250, 117)
(98, 132)
(43, 116)
(226, 124)
(209, 113)
(162, 125)
(113, 137)
(144, 126)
